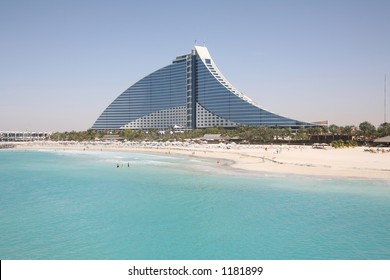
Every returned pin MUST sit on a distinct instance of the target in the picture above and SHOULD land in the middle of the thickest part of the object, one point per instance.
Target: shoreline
(354, 163)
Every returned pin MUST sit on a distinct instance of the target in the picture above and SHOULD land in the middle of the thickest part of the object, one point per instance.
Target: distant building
(23, 136)
(189, 93)
(212, 138)
(321, 123)
(112, 137)
(382, 141)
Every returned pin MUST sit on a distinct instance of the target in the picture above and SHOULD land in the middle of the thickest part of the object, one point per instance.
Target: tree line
(365, 132)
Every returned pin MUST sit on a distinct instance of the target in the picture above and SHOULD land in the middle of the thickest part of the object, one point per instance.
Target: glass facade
(158, 100)
(189, 93)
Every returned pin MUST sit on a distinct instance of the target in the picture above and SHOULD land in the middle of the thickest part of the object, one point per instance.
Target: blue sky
(63, 62)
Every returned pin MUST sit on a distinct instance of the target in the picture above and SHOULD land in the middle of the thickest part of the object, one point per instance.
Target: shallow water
(80, 205)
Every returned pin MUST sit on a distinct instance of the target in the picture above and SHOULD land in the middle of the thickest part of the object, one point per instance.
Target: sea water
(121, 205)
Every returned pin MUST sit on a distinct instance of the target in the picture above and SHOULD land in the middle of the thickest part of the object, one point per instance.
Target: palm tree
(315, 131)
(367, 130)
(334, 130)
(384, 129)
(349, 130)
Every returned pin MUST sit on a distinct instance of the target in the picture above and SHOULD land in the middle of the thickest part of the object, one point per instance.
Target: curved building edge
(187, 94)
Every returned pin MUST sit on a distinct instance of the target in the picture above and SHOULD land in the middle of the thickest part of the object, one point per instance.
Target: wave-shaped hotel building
(189, 93)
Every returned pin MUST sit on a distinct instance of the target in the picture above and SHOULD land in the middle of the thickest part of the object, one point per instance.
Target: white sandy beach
(300, 160)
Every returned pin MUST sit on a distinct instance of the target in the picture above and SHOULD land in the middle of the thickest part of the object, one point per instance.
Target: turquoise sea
(79, 205)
